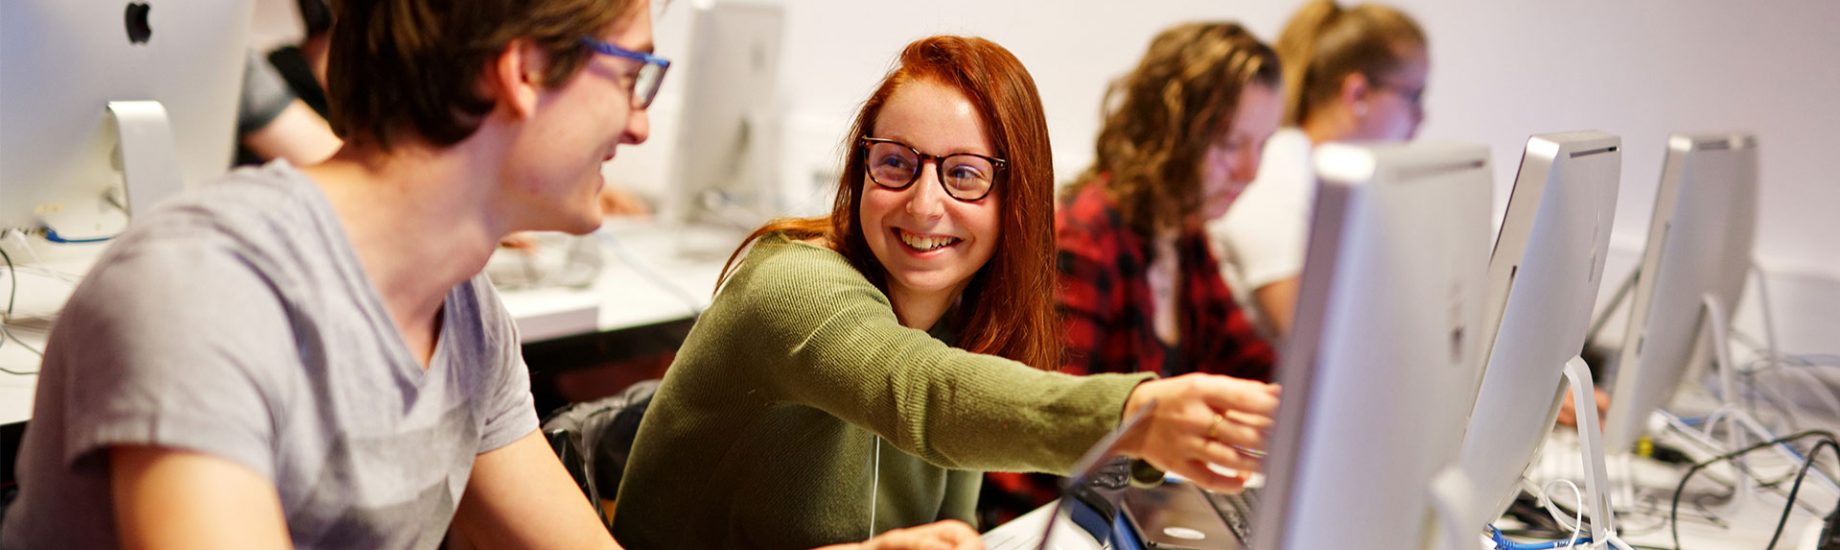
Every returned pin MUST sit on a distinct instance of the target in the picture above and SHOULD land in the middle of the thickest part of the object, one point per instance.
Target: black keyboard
(1236, 511)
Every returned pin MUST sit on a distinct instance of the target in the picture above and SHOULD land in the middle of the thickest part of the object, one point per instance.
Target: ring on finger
(1214, 427)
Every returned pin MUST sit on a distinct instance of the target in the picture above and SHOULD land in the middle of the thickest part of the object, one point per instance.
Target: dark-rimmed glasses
(965, 176)
(649, 76)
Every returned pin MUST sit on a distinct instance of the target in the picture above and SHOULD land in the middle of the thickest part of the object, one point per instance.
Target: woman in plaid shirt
(1139, 290)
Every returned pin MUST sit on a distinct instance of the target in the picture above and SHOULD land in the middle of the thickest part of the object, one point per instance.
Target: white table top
(652, 273)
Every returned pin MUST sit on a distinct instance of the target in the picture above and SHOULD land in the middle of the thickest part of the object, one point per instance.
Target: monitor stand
(148, 162)
(1591, 452)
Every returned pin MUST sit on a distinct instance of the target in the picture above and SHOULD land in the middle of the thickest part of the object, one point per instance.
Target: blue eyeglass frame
(650, 76)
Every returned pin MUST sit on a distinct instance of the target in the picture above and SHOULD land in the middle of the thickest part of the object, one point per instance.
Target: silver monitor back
(1387, 338)
(728, 134)
(1543, 279)
(1699, 245)
(64, 61)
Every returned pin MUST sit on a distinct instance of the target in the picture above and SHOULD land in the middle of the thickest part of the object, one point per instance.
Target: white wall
(1500, 71)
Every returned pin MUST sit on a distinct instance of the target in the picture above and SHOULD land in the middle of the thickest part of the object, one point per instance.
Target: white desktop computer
(1691, 274)
(1543, 278)
(1387, 341)
(110, 106)
(728, 145)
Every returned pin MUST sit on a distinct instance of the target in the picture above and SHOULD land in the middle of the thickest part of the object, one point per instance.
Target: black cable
(12, 294)
(1789, 507)
(1616, 301)
(12, 276)
(1674, 507)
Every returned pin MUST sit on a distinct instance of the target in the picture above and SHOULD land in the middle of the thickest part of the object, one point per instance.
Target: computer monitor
(1388, 338)
(728, 135)
(1543, 279)
(1698, 252)
(95, 93)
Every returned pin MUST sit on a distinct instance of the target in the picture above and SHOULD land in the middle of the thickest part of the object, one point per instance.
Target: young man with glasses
(311, 356)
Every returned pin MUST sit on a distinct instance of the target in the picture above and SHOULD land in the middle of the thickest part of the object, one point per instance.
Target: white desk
(651, 274)
(44, 286)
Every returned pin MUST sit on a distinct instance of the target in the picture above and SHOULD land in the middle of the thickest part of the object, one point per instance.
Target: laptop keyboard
(1236, 511)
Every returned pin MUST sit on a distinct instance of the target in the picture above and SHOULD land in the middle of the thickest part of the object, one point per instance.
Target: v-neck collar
(364, 291)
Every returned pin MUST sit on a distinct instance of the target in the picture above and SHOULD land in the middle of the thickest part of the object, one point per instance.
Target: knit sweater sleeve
(833, 343)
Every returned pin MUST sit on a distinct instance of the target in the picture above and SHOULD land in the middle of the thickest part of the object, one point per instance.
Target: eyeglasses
(649, 77)
(965, 176)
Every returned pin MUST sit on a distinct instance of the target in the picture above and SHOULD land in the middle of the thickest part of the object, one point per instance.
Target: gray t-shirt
(237, 322)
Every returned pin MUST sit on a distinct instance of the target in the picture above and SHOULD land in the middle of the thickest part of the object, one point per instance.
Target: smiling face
(930, 243)
(553, 177)
(1233, 162)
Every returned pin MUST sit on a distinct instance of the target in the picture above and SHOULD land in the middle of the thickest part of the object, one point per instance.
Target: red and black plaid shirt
(1108, 310)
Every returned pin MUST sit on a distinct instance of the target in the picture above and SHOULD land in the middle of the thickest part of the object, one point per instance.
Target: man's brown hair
(414, 65)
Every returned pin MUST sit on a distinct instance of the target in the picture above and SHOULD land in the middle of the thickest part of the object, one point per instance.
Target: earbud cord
(875, 482)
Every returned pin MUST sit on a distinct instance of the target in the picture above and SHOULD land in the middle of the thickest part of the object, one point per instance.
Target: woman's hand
(1201, 419)
(939, 535)
(1568, 411)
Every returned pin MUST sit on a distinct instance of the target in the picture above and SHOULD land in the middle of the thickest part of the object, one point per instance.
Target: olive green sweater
(766, 430)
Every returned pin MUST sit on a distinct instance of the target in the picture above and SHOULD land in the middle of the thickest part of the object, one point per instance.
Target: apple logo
(138, 29)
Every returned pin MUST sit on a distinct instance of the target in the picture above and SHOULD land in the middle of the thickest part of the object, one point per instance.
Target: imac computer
(108, 106)
(1387, 342)
(1543, 279)
(727, 155)
(1691, 274)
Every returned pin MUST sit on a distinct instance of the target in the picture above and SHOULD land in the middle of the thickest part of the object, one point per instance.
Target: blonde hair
(1162, 117)
(1324, 43)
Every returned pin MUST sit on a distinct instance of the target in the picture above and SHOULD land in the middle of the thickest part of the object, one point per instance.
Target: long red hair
(1008, 308)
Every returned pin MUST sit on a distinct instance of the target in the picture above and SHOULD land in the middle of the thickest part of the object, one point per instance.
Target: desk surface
(1746, 523)
(650, 274)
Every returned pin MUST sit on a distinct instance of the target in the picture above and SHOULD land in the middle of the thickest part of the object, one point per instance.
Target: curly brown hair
(1161, 118)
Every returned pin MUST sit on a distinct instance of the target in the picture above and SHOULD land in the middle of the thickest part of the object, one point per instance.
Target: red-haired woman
(858, 370)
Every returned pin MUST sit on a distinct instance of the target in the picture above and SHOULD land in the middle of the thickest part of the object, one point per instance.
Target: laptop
(1082, 519)
(1177, 515)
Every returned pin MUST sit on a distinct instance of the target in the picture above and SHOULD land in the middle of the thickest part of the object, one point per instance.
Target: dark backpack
(595, 438)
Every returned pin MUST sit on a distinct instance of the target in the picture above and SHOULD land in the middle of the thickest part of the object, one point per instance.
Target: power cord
(12, 277)
(1616, 301)
(1674, 506)
(1502, 542)
(12, 296)
(1577, 522)
(1789, 507)
(619, 249)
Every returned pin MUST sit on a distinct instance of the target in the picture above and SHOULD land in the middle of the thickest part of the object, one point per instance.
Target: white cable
(1818, 387)
(36, 265)
(875, 483)
(650, 274)
(1763, 299)
(1558, 515)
